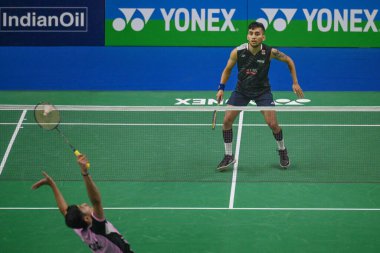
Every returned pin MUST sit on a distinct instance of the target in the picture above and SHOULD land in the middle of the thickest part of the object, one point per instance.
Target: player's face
(255, 37)
(85, 209)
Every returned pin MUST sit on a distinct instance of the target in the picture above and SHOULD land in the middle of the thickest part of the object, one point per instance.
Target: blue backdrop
(177, 68)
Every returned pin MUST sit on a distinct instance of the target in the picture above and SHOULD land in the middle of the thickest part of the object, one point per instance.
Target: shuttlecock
(47, 110)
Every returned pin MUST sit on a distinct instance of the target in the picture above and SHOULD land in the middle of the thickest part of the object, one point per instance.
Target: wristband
(221, 86)
(85, 174)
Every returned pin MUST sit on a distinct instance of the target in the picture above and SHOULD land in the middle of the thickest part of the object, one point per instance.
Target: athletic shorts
(238, 99)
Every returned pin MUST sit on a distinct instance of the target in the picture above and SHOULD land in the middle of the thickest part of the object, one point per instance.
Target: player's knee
(273, 125)
(227, 122)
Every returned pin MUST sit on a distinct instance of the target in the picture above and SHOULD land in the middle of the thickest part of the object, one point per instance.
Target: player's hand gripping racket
(48, 117)
(214, 115)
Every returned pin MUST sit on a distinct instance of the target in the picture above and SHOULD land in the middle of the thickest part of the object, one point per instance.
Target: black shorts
(239, 99)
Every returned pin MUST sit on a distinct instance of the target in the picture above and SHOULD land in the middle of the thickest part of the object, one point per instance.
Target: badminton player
(88, 222)
(253, 61)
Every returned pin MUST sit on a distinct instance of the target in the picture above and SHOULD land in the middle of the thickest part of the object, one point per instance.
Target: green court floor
(156, 173)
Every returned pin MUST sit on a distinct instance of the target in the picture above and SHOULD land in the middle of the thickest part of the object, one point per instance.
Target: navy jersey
(253, 70)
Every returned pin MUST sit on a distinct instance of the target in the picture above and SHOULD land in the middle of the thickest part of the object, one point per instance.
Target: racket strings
(47, 116)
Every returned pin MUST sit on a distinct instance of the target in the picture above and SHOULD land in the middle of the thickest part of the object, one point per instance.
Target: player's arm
(47, 180)
(278, 55)
(226, 73)
(92, 191)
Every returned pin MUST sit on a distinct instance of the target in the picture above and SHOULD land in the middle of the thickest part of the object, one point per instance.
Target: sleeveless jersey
(253, 71)
(102, 237)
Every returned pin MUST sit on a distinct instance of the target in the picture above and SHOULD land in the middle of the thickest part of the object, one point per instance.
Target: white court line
(237, 151)
(184, 124)
(318, 125)
(12, 141)
(213, 208)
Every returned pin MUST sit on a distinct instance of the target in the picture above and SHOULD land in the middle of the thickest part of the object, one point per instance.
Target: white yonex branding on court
(211, 101)
(180, 19)
(324, 19)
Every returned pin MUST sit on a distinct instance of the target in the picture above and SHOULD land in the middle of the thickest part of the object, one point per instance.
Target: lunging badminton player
(253, 60)
(89, 223)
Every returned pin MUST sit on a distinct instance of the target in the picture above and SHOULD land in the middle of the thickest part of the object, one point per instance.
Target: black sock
(227, 136)
(278, 136)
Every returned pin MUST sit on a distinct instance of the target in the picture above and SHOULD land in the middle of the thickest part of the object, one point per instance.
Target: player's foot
(284, 158)
(227, 161)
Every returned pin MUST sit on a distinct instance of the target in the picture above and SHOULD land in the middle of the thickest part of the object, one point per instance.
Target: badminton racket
(48, 117)
(213, 124)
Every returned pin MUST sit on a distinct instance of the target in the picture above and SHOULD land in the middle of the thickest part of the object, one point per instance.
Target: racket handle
(77, 153)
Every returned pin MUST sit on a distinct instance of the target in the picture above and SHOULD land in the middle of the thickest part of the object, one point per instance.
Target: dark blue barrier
(177, 68)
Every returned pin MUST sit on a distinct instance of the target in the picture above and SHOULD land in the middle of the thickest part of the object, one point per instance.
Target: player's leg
(270, 117)
(236, 99)
(227, 132)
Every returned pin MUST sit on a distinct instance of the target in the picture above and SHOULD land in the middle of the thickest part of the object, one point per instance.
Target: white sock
(228, 148)
(281, 144)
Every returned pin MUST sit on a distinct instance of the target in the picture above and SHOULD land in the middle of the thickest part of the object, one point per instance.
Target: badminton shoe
(226, 162)
(284, 158)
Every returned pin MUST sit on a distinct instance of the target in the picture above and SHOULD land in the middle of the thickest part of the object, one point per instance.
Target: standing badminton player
(253, 60)
(89, 223)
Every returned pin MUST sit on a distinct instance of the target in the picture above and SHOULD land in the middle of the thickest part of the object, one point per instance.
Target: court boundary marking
(195, 124)
(211, 208)
(200, 108)
(10, 144)
(237, 151)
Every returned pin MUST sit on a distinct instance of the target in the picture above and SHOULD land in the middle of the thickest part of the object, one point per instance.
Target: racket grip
(77, 153)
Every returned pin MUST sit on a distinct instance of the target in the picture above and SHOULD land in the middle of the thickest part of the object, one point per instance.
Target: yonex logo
(181, 19)
(279, 24)
(137, 23)
(324, 20)
(213, 102)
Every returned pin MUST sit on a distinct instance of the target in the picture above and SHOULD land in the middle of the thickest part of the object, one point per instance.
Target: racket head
(47, 116)
(213, 120)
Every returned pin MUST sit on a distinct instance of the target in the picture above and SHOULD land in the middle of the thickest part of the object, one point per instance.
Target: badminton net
(173, 144)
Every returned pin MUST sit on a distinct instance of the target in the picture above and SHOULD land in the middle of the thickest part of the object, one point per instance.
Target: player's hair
(255, 25)
(74, 217)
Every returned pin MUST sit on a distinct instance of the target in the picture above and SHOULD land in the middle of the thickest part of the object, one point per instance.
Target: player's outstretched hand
(83, 163)
(297, 90)
(219, 96)
(47, 180)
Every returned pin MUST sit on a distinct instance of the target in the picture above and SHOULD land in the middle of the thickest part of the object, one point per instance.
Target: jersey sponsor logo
(179, 19)
(251, 72)
(323, 19)
(43, 19)
(95, 246)
(213, 102)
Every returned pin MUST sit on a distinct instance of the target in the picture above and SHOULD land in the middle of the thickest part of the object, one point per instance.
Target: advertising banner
(175, 23)
(296, 23)
(59, 22)
(322, 23)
